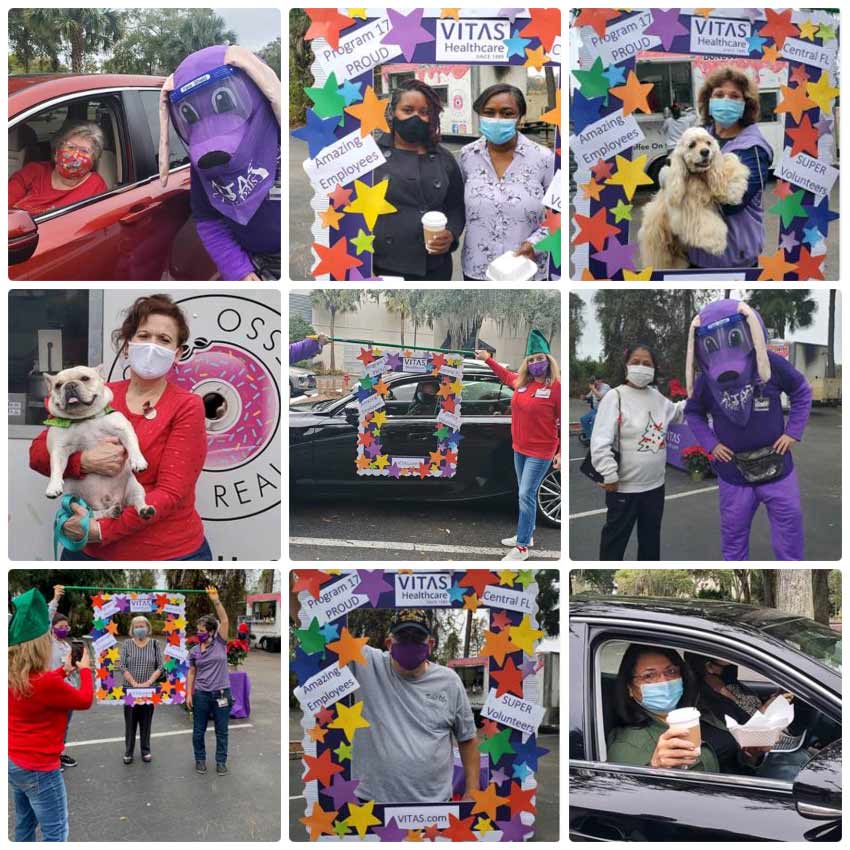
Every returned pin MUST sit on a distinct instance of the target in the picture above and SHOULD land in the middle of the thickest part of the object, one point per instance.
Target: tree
(397, 302)
(794, 592)
(548, 601)
(231, 592)
(820, 596)
(600, 581)
(576, 319)
(299, 328)
(85, 31)
(783, 309)
(830, 337)
(270, 54)
(654, 583)
(336, 302)
(300, 60)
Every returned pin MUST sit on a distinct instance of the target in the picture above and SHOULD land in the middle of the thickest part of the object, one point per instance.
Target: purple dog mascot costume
(740, 386)
(224, 103)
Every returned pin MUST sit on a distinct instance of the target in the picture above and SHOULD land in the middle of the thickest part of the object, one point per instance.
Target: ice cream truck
(263, 615)
(231, 360)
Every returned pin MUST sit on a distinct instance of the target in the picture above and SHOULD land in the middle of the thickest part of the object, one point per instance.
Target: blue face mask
(497, 130)
(662, 696)
(725, 111)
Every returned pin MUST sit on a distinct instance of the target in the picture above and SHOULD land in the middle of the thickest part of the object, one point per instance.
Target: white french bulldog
(80, 397)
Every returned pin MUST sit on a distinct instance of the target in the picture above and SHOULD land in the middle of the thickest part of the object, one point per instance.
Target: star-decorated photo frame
(621, 137)
(504, 806)
(373, 458)
(170, 690)
(344, 100)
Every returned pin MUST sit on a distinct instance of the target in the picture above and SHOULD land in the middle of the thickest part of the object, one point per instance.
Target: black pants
(140, 716)
(626, 509)
(441, 271)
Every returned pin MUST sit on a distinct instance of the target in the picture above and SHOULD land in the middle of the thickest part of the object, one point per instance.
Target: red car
(136, 230)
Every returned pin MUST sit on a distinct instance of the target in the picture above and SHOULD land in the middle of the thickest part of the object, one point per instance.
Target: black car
(616, 802)
(323, 440)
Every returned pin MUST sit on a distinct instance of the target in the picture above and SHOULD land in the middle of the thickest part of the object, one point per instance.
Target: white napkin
(763, 729)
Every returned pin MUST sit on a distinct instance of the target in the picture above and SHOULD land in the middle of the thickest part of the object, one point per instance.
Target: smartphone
(76, 651)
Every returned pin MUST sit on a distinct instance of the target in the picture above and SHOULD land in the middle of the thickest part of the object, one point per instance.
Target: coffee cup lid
(434, 219)
(682, 715)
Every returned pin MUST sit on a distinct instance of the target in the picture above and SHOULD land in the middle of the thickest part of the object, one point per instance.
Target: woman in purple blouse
(506, 176)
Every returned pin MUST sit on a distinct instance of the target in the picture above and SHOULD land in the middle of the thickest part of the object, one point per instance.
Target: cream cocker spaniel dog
(684, 214)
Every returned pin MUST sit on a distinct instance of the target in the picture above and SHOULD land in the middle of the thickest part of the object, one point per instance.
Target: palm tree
(830, 337)
(396, 301)
(784, 309)
(85, 31)
(336, 302)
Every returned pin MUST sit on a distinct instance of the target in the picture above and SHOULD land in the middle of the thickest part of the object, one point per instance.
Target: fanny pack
(587, 467)
(760, 466)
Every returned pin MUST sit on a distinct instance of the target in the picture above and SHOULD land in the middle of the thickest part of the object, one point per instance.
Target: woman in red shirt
(535, 430)
(170, 424)
(42, 186)
(39, 702)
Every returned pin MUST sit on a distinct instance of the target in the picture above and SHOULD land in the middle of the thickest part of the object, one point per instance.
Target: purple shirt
(211, 666)
(503, 213)
(303, 350)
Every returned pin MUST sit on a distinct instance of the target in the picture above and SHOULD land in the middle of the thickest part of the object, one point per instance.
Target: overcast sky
(590, 344)
(254, 27)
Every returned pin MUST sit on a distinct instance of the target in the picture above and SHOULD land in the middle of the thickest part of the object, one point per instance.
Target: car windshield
(813, 639)
(313, 407)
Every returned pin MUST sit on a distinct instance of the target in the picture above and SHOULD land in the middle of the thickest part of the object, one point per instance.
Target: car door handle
(139, 211)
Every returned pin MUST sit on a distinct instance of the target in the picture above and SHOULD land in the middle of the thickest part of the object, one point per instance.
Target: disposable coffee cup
(687, 720)
(433, 223)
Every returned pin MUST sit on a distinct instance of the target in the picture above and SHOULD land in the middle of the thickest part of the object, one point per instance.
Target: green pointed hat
(30, 619)
(537, 343)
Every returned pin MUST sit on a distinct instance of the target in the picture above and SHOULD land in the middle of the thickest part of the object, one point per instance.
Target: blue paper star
(812, 235)
(528, 752)
(305, 666)
(351, 92)
(318, 132)
(330, 631)
(821, 215)
(615, 75)
(755, 42)
(456, 593)
(584, 111)
(521, 770)
(362, 395)
(454, 438)
(516, 45)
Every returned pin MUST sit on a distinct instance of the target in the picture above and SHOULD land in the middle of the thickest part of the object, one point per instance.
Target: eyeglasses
(76, 149)
(651, 676)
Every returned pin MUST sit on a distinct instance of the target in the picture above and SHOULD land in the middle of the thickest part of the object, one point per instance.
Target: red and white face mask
(73, 164)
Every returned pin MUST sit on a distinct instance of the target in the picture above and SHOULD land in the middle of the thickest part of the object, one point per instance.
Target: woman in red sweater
(171, 427)
(535, 430)
(39, 702)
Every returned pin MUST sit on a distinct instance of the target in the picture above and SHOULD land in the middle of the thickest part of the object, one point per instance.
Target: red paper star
(102, 672)
(179, 687)
(156, 699)
(310, 580)
(460, 830)
(365, 439)
(782, 189)
(778, 26)
(500, 620)
(424, 470)
(805, 137)
(97, 601)
(451, 457)
(324, 716)
(799, 75)
(594, 229)
(431, 832)
(596, 18)
(327, 23)
(321, 768)
(340, 197)
(809, 267)
(509, 679)
(602, 170)
(478, 580)
(365, 356)
(335, 260)
(520, 801)
(161, 600)
(174, 639)
(489, 728)
(449, 405)
(437, 362)
(552, 221)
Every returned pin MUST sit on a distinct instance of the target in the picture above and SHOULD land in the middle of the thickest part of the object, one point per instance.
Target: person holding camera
(39, 701)
(140, 661)
(60, 655)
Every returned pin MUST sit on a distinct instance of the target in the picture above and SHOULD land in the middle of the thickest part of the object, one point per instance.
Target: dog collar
(59, 422)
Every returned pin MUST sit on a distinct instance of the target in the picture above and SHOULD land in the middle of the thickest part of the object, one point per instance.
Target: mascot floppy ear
(167, 88)
(757, 333)
(263, 77)
(689, 358)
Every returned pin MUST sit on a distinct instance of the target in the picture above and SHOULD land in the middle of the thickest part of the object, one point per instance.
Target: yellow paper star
(553, 116)
(822, 93)
(483, 825)
(450, 13)
(330, 218)
(372, 202)
(770, 53)
(349, 719)
(808, 30)
(630, 174)
(381, 461)
(470, 602)
(646, 274)
(361, 817)
(536, 58)
(112, 654)
(379, 418)
(117, 692)
(180, 622)
(507, 578)
(457, 387)
(357, 13)
(524, 635)
(317, 733)
(591, 190)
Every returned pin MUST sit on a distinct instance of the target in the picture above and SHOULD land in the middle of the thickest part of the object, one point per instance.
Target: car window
(401, 402)
(177, 154)
(486, 397)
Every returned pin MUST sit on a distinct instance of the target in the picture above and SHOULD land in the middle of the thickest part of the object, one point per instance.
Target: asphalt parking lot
(691, 529)
(386, 531)
(166, 800)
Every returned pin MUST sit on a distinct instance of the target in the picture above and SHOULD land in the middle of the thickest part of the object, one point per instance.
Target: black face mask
(413, 129)
(729, 674)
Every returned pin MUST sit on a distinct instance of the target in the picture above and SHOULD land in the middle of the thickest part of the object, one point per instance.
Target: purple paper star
(177, 698)
(498, 776)
(372, 451)
(109, 683)
(788, 241)
(394, 470)
(406, 31)
(447, 470)
(824, 126)
(617, 256)
(527, 666)
(509, 13)
(372, 584)
(341, 791)
(666, 26)
(356, 274)
(123, 603)
(394, 361)
(129, 700)
(513, 829)
(390, 832)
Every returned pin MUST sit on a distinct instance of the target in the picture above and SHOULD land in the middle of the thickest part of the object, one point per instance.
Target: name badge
(522, 389)
(761, 404)
(543, 393)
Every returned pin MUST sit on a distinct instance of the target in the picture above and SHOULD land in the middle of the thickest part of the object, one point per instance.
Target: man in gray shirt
(414, 707)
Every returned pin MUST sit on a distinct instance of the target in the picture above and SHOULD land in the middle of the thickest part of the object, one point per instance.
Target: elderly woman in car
(651, 682)
(71, 177)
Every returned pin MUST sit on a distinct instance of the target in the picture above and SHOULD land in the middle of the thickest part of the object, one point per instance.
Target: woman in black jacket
(424, 177)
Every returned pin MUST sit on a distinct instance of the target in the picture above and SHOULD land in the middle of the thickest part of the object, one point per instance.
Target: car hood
(300, 371)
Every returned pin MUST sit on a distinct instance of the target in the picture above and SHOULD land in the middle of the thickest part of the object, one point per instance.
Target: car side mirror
(352, 415)
(23, 236)
(817, 787)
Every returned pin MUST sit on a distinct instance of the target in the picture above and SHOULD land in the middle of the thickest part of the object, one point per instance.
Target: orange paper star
(478, 580)
(592, 189)
(316, 733)
(330, 218)
(414, 835)
(370, 112)
(633, 94)
(112, 628)
(319, 822)
(553, 116)
(770, 53)
(349, 648)
(794, 101)
(327, 23)
(778, 26)
(596, 18)
(536, 58)
(774, 266)
(487, 801)
(497, 645)
(450, 13)
(310, 580)
(470, 602)
(335, 260)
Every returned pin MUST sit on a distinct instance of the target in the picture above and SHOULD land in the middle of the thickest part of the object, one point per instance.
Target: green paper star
(363, 242)
(826, 32)
(343, 751)
(312, 640)
(327, 101)
(497, 746)
(622, 211)
(100, 624)
(552, 244)
(341, 827)
(790, 208)
(593, 83)
(525, 578)
(366, 382)
(442, 433)
(170, 664)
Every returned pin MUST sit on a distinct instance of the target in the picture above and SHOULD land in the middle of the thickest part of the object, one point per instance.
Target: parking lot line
(415, 547)
(153, 735)
(666, 499)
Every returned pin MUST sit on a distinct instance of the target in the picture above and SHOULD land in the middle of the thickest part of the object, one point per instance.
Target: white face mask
(640, 376)
(149, 360)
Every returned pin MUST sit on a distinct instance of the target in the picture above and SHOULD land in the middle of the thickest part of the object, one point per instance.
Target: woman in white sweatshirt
(633, 419)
